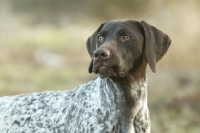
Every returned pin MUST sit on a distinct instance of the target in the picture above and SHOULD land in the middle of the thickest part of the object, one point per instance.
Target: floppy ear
(91, 45)
(156, 44)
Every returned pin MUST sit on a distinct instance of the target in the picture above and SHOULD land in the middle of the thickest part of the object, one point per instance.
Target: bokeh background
(43, 47)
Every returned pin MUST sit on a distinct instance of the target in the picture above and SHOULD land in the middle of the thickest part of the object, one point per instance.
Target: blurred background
(43, 47)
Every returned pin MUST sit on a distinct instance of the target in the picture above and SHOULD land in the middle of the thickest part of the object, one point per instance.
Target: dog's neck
(133, 90)
(134, 87)
(129, 97)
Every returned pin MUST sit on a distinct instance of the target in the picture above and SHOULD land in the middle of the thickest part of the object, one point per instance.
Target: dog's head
(120, 47)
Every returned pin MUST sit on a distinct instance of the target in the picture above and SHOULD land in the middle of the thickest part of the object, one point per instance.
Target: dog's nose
(102, 54)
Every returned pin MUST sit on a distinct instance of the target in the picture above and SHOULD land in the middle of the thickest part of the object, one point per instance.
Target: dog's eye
(100, 38)
(126, 37)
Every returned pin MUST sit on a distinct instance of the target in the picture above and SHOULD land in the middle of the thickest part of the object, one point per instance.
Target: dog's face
(118, 48)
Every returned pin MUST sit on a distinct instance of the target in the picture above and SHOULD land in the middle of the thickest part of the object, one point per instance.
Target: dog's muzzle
(105, 64)
(101, 54)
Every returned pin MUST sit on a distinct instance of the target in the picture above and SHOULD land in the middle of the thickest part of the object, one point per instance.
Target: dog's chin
(105, 72)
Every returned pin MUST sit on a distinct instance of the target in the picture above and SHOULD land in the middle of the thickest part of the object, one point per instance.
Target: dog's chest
(104, 106)
(98, 104)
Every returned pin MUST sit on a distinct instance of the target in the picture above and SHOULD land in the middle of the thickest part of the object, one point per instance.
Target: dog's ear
(91, 67)
(91, 45)
(156, 44)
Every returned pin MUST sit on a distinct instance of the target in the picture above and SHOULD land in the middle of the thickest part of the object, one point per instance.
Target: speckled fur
(95, 107)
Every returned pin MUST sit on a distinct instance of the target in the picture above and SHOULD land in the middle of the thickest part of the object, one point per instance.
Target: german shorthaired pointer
(115, 102)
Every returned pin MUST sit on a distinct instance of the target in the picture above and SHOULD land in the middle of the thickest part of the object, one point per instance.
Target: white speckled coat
(94, 107)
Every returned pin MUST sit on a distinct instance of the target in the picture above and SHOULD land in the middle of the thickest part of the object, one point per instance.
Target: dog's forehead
(127, 25)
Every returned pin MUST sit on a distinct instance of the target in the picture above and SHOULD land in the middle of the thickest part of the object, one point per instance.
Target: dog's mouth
(108, 71)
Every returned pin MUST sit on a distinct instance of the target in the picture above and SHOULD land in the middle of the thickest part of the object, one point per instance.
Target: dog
(114, 102)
